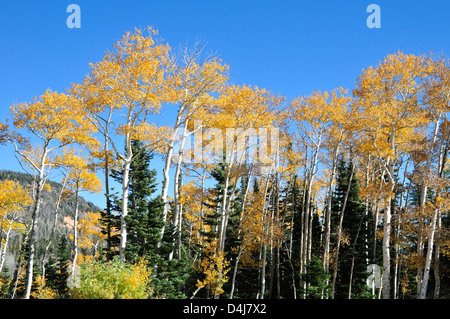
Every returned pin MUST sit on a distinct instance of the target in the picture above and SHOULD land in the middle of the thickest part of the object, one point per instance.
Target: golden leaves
(81, 173)
(388, 102)
(215, 268)
(133, 75)
(13, 197)
(52, 116)
(90, 230)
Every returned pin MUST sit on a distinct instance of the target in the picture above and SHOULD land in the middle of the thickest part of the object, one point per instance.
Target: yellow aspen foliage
(42, 291)
(53, 116)
(113, 280)
(90, 235)
(81, 173)
(13, 197)
(389, 101)
(215, 267)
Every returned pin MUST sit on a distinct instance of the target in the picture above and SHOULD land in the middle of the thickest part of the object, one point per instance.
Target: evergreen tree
(356, 230)
(214, 203)
(142, 219)
(291, 201)
(57, 271)
(316, 278)
(144, 224)
(110, 223)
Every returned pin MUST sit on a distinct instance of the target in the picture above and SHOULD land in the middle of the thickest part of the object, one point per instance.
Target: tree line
(352, 182)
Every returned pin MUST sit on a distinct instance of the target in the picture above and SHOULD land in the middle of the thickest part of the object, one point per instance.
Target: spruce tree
(144, 224)
(356, 229)
(141, 220)
(57, 271)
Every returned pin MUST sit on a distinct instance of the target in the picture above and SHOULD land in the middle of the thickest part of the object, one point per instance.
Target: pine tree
(144, 224)
(292, 202)
(353, 252)
(57, 271)
(110, 223)
(141, 219)
(142, 186)
(316, 278)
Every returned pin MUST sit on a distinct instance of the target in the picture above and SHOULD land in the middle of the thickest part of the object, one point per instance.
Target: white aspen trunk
(165, 189)
(306, 235)
(34, 218)
(426, 273)
(5, 245)
(397, 245)
(277, 218)
(58, 203)
(264, 244)
(176, 191)
(338, 244)
(233, 280)
(244, 243)
(351, 278)
(263, 269)
(200, 239)
(432, 227)
(124, 213)
(302, 232)
(291, 236)
(437, 277)
(311, 216)
(224, 215)
(179, 232)
(386, 277)
(128, 157)
(108, 199)
(423, 198)
(166, 175)
(326, 253)
(75, 234)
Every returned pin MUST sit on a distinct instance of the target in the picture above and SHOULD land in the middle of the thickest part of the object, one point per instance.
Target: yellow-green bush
(113, 280)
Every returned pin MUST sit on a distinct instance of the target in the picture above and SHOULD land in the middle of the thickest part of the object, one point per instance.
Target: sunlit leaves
(113, 280)
(13, 197)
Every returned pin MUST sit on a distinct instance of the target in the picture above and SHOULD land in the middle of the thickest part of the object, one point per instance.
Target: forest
(340, 194)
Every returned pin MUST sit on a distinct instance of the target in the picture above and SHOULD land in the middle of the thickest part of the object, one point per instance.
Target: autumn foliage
(354, 177)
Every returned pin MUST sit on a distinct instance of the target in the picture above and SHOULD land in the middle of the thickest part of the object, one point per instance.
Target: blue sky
(289, 47)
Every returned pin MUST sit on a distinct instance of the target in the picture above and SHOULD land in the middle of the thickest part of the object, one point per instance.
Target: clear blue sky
(289, 47)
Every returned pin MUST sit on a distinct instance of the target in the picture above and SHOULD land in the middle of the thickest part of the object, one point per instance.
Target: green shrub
(113, 280)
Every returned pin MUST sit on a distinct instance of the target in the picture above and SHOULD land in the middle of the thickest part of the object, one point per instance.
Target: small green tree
(316, 279)
(57, 271)
(356, 228)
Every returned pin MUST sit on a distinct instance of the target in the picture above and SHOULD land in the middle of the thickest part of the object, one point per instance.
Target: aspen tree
(193, 83)
(437, 104)
(129, 84)
(313, 115)
(387, 99)
(81, 177)
(53, 121)
(13, 201)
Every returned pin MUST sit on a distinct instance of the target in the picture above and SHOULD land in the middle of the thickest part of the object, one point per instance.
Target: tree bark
(338, 244)
(75, 233)
(34, 218)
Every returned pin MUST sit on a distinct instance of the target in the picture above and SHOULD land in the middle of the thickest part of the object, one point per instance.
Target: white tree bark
(40, 181)
(75, 233)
